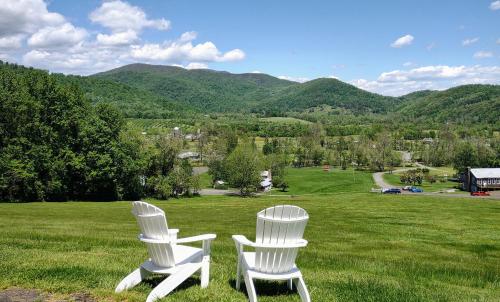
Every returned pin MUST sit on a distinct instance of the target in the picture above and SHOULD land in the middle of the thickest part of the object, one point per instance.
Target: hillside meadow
(362, 247)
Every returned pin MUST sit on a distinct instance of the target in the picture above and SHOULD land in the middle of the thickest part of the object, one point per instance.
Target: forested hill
(462, 104)
(206, 90)
(153, 91)
(132, 101)
(330, 92)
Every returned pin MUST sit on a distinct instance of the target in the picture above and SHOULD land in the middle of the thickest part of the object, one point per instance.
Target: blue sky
(390, 47)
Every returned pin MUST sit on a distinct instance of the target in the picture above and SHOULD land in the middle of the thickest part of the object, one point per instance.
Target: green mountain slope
(132, 101)
(330, 92)
(462, 104)
(205, 90)
(152, 91)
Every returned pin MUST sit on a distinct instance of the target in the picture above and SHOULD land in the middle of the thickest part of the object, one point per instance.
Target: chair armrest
(206, 238)
(197, 238)
(242, 240)
(152, 240)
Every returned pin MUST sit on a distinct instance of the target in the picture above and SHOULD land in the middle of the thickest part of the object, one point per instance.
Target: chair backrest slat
(153, 224)
(277, 226)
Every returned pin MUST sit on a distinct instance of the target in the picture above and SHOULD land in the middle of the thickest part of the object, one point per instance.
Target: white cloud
(255, 71)
(498, 41)
(6, 57)
(31, 34)
(125, 22)
(120, 16)
(195, 65)
(495, 5)
(21, 18)
(57, 36)
(11, 42)
(34, 36)
(122, 38)
(188, 36)
(483, 54)
(399, 82)
(25, 17)
(182, 50)
(406, 64)
(402, 41)
(468, 42)
(430, 46)
(80, 59)
(294, 79)
(233, 55)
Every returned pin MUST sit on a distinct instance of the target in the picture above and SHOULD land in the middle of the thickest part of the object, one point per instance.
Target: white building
(266, 183)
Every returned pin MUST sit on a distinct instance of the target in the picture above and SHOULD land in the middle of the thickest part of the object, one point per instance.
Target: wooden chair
(166, 254)
(278, 238)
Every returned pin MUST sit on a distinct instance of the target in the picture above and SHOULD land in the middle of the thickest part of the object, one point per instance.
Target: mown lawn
(205, 180)
(315, 181)
(362, 247)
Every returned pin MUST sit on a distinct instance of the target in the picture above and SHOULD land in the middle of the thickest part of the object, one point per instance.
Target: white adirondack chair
(278, 239)
(167, 255)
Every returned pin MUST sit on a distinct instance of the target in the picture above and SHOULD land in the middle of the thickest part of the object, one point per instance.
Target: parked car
(392, 191)
(479, 193)
(407, 188)
(415, 190)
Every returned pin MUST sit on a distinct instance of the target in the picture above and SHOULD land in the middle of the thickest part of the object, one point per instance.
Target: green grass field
(205, 181)
(285, 120)
(362, 247)
(316, 181)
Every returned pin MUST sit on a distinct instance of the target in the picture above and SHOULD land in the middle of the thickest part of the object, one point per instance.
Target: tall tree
(243, 167)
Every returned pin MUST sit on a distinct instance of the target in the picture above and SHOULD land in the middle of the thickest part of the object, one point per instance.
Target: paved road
(217, 192)
(378, 177)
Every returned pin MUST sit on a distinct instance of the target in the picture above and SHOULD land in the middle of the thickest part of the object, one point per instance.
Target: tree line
(56, 146)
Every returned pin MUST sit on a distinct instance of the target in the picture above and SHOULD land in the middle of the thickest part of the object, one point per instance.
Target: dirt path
(32, 295)
(217, 192)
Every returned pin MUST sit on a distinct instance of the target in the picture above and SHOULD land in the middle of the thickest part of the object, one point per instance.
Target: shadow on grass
(154, 280)
(265, 288)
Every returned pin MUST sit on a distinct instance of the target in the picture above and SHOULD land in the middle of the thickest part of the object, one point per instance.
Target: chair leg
(132, 279)
(302, 289)
(252, 294)
(205, 271)
(238, 274)
(290, 284)
(172, 281)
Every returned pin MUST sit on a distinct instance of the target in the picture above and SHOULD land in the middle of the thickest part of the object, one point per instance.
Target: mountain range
(150, 91)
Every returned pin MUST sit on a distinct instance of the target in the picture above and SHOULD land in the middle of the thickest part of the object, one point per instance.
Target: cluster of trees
(450, 149)
(240, 163)
(165, 174)
(476, 153)
(55, 146)
(412, 177)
